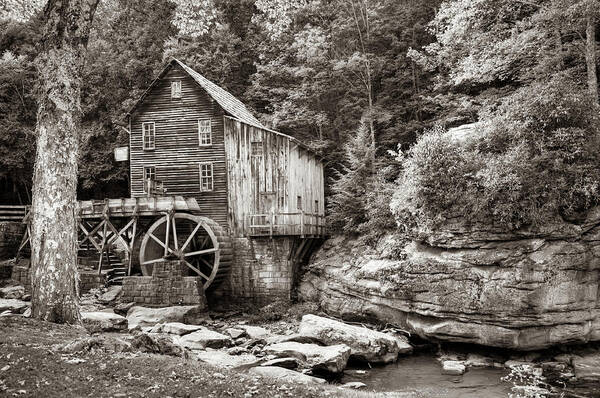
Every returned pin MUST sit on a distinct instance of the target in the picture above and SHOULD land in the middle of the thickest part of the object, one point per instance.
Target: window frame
(299, 202)
(144, 179)
(254, 145)
(144, 147)
(212, 176)
(201, 133)
(176, 94)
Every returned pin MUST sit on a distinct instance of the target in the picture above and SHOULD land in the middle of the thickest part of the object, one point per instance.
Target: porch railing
(296, 223)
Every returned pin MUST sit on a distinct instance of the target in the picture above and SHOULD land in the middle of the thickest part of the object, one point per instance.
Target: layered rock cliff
(522, 290)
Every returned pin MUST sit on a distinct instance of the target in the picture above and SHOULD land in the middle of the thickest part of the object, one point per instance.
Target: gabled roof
(226, 100)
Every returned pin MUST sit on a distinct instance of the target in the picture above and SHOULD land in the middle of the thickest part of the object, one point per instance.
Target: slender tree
(54, 282)
(590, 49)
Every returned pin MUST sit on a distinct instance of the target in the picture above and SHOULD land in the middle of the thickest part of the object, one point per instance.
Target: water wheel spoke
(189, 239)
(156, 260)
(196, 270)
(200, 252)
(160, 242)
(175, 242)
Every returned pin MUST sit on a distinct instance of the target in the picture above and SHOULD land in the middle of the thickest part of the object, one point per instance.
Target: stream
(420, 376)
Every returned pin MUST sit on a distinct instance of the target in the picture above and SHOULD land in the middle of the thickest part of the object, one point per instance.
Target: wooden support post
(272, 223)
(168, 228)
(102, 247)
(131, 245)
(302, 223)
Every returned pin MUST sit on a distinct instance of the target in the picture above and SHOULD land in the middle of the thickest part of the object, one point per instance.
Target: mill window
(148, 135)
(204, 132)
(299, 202)
(149, 176)
(256, 148)
(206, 177)
(176, 89)
(316, 207)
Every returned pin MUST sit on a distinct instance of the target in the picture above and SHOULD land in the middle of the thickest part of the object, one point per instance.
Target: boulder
(13, 305)
(157, 344)
(254, 332)
(285, 375)
(288, 363)
(353, 385)
(146, 317)
(479, 361)
(235, 333)
(455, 368)
(366, 345)
(111, 294)
(103, 321)
(12, 292)
(331, 359)
(525, 289)
(205, 338)
(587, 367)
(222, 359)
(123, 308)
(177, 328)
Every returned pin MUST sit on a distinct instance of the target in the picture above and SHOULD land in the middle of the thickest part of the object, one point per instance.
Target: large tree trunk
(54, 276)
(590, 54)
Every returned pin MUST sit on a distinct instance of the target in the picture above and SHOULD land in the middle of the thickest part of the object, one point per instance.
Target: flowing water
(420, 376)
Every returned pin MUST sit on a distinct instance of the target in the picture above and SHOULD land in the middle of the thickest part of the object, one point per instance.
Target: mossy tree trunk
(54, 276)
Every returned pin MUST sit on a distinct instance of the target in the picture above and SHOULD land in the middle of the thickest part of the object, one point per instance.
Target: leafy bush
(537, 155)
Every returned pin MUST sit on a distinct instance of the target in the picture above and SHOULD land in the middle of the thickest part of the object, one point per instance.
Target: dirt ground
(31, 365)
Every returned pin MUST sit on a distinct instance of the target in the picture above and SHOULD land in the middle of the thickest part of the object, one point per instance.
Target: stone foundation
(87, 279)
(262, 272)
(11, 234)
(166, 287)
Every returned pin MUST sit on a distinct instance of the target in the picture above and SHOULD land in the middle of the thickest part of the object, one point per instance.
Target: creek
(421, 374)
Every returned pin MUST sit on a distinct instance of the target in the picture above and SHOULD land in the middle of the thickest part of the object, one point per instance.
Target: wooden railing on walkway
(278, 224)
(12, 212)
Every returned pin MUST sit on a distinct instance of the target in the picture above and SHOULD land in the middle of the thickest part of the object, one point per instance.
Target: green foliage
(534, 157)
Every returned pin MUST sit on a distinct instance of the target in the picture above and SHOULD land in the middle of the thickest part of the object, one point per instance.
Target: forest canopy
(371, 85)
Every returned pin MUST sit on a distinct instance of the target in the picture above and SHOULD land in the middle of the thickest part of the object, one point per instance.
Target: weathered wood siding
(272, 182)
(177, 152)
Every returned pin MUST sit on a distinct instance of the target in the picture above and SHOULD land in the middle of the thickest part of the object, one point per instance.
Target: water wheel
(199, 242)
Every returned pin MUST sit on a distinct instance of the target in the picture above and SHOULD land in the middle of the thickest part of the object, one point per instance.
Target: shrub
(537, 156)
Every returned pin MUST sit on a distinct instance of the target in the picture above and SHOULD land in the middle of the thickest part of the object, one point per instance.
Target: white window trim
(144, 180)
(175, 92)
(144, 136)
(212, 176)
(209, 132)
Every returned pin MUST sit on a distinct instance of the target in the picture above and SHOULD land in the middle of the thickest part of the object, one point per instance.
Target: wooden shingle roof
(225, 99)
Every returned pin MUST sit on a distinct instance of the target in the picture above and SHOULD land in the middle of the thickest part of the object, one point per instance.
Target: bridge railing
(12, 212)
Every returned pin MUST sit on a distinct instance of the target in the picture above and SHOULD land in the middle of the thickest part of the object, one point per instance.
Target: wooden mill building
(191, 138)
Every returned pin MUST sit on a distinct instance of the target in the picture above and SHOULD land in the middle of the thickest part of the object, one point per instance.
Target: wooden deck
(286, 224)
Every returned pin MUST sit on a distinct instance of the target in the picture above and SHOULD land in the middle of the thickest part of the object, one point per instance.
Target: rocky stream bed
(303, 346)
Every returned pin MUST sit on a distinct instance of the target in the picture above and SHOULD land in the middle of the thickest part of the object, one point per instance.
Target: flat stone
(145, 317)
(255, 332)
(454, 368)
(288, 363)
(111, 295)
(177, 328)
(103, 321)
(332, 359)
(235, 333)
(366, 345)
(205, 338)
(223, 360)
(12, 292)
(354, 385)
(479, 361)
(587, 367)
(285, 375)
(13, 305)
